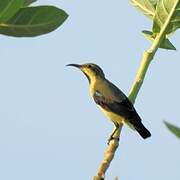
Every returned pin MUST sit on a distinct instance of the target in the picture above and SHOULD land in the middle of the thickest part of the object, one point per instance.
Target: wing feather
(123, 108)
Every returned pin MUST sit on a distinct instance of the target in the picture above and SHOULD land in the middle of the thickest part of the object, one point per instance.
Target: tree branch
(139, 79)
(108, 155)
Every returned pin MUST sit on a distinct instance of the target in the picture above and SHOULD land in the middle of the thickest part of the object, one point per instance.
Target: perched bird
(111, 100)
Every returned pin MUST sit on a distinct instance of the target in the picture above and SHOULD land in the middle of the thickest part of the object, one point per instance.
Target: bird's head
(92, 71)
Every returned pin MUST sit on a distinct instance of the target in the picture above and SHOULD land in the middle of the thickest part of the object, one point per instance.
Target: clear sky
(50, 129)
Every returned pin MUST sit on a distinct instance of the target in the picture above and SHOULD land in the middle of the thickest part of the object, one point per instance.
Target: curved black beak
(75, 65)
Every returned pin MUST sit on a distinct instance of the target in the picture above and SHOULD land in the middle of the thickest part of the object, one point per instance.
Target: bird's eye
(89, 66)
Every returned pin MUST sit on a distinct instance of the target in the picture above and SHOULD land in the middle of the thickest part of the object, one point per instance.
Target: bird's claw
(112, 138)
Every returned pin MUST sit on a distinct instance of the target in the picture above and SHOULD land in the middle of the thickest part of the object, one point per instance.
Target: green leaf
(28, 2)
(34, 21)
(165, 44)
(167, 12)
(147, 7)
(174, 129)
(148, 35)
(8, 8)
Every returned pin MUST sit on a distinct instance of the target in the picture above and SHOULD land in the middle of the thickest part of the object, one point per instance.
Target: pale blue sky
(49, 127)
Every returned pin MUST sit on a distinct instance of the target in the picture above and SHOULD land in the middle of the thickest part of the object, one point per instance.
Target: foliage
(174, 129)
(19, 20)
(162, 13)
(28, 2)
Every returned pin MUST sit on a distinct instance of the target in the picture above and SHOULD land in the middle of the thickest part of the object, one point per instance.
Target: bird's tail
(142, 130)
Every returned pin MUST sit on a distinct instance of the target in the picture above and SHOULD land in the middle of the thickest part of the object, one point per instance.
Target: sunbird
(111, 100)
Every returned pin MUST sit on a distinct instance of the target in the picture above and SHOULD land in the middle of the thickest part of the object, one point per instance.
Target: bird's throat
(89, 79)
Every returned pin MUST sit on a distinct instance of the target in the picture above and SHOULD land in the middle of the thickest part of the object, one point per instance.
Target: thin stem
(145, 62)
(148, 56)
(146, 59)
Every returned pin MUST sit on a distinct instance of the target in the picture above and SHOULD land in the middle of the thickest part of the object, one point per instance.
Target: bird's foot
(112, 138)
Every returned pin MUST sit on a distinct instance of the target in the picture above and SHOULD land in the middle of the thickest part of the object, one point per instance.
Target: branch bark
(108, 156)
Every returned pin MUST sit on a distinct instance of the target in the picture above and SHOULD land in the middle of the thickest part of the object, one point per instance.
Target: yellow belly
(116, 118)
(112, 116)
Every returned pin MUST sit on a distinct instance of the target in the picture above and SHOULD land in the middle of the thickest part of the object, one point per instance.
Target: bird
(111, 100)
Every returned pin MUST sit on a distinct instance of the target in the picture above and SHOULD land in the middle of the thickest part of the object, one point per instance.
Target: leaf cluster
(19, 19)
(162, 13)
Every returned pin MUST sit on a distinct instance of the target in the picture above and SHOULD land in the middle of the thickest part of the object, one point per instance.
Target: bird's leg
(113, 133)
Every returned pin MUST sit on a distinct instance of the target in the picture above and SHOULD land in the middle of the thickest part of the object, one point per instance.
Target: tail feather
(144, 133)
